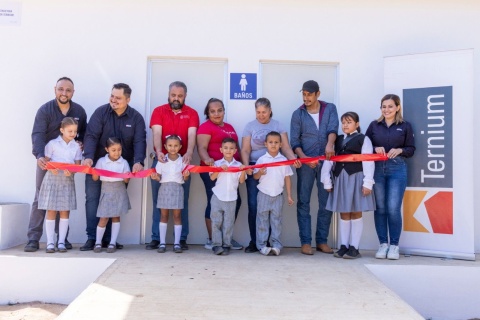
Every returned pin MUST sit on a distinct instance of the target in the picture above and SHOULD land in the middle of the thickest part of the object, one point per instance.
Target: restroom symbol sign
(243, 86)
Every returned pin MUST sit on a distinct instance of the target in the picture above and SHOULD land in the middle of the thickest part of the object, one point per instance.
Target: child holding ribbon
(114, 200)
(224, 198)
(170, 194)
(270, 195)
(353, 183)
(57, 192)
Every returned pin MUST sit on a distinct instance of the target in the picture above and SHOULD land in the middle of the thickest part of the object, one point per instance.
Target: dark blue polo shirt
(393, 137)
(129, 127)
(47, 124)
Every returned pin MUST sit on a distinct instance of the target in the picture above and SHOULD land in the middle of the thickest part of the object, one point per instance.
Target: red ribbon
(98, 172)
(341, 158)
(200, 169)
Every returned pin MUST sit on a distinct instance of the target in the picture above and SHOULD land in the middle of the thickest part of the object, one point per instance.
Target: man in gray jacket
(313, 131)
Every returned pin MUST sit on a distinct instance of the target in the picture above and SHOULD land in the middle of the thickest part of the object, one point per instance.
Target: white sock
(345, 232)
(50, 230)
(100, 232)
(357, 229)
(178, 233)
(62, 230)
(163, 231)
(115, 231)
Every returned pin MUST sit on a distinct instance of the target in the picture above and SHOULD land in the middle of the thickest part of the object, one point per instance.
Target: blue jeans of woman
(390, 183)
(252, 192)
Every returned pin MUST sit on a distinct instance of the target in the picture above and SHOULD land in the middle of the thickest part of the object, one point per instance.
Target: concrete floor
(195, 284)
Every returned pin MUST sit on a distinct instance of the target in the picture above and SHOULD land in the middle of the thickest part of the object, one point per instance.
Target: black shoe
(226, 251)
(217, 250)
(106, 243)
(183, 244)
(31, 246)
(68, 245)
(251, 248)
(352, 253)
(152, 245)
(341, 252)
(89, 245)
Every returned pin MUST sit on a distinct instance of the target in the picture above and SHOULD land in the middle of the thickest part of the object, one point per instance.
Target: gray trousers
(37, 216)
(222, 215)
(269, 215)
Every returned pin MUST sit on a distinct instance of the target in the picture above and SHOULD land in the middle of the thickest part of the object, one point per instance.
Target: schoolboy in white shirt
(270, 195)
(224, 198)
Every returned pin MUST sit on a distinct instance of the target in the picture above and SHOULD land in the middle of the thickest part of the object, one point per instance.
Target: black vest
(353, 146)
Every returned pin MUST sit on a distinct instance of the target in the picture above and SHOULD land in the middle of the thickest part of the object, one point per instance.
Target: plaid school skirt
(114, 200)
(170, 196)
(57, 192)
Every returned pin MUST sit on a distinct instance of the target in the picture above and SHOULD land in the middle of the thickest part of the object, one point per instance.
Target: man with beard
(45, 128)
(177, 118)
(114, 119)
(313, 130)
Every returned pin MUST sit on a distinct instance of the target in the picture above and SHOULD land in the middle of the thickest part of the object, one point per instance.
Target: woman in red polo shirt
(210, 135)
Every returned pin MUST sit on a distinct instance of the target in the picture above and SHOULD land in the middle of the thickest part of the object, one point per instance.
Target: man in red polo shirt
(177, 118)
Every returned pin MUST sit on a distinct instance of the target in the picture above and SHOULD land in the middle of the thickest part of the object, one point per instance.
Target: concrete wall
(98, 43)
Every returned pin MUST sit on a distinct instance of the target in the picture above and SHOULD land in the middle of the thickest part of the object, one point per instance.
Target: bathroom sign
(243, 86)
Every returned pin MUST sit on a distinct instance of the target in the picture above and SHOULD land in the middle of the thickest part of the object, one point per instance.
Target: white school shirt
(120, 166)
(227, 182)
(368, 168)
(171, 171)
(60, 151)
(273, 182)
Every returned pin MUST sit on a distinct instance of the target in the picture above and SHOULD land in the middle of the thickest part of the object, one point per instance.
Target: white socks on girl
(163, 232)
(357, 229)
(353, 228)
(50, 230)
(62, 230)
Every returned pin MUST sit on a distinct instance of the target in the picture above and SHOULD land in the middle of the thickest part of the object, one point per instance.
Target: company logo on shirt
(428, 201)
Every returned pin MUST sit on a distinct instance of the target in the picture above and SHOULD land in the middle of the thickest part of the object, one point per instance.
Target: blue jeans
(209, 184)
(92, 198)
(390, 183)
(252, 192)
(306, 176)
(156, 211)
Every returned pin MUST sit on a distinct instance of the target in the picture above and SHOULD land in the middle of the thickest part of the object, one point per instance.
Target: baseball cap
(310, 86)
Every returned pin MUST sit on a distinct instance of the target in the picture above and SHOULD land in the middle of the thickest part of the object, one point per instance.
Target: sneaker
(382, 251)
(251, 248)
(183, 244)
(97, 248)
(62, 247)
(341, 252)
(352, 253)
(217, 250)
(50, 248)
(275, 251)
(162, 248)
(236, 245)
(177, 248)
(393, 253)
(226, 251)
(31, 246)
(208, 244)
(265, 251)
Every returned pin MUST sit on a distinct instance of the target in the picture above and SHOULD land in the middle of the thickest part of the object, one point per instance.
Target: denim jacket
(304, 132)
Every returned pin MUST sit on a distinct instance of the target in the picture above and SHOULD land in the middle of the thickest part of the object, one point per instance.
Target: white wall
(98, 43)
